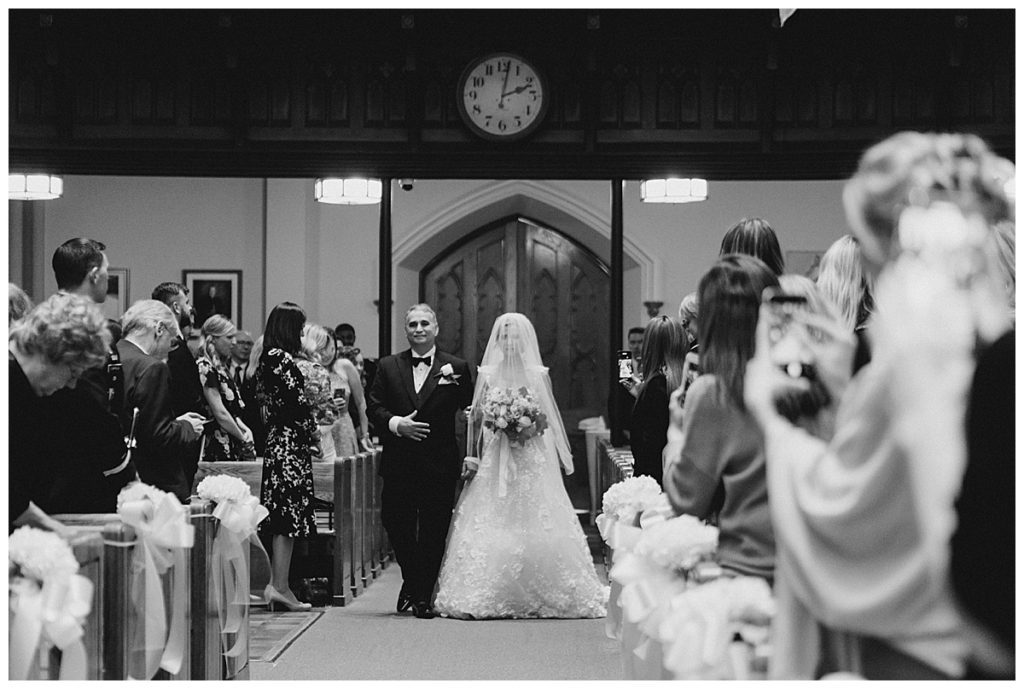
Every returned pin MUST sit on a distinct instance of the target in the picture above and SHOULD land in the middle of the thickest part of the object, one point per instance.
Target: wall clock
(502, 97)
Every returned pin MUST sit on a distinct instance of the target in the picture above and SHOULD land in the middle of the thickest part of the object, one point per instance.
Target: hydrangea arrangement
(626, 499)
(40, 555)
(139, 491)
(223, 488)
(678, 544)
(516, 413)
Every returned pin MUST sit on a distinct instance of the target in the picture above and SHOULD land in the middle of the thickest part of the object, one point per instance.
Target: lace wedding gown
(516, 548)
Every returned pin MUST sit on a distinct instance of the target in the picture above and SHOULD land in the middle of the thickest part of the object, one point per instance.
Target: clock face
(502, 97)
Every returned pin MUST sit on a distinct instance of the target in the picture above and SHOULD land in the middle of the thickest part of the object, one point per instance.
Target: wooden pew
(118, 625)
(352, 486)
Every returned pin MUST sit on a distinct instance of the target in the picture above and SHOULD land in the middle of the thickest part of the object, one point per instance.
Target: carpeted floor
(271, 633)
(366, 640)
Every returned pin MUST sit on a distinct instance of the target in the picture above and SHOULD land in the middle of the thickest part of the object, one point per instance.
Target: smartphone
(625, 364)
(339, 395)
(788, 349)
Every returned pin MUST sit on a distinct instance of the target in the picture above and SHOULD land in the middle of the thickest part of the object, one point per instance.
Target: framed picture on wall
(804, 263)
(214, 291)
(117, 293)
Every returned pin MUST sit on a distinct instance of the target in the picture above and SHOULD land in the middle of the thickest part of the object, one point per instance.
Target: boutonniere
(447, 375)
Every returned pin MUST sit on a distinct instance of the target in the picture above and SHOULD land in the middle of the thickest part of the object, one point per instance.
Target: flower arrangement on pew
(239, 513)
(681, 618)
(49, 602)
(163, 534)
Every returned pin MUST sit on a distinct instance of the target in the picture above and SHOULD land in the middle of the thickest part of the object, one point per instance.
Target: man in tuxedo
(163, 443)
(414, 400)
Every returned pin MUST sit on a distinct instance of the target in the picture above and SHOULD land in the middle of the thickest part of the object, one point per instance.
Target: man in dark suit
(413, 402)
(163, 442)
(186, 388)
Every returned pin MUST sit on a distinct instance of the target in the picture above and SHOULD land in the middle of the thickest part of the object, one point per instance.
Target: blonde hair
(1004, 242)
(688, 308)
(148, 314)
(64, 329)
(843, 281)
(213, 327)
(315, 339)
(18, 303)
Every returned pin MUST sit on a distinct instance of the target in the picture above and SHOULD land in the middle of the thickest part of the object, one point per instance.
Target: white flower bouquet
(49, 602)
(138, 490)
(237, 508)
(516, 413)
(626, 499)
(678, 544)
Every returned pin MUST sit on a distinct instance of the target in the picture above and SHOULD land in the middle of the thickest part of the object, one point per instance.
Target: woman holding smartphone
(661, 367)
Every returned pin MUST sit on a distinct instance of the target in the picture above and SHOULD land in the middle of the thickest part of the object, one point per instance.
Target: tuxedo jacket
(437, 458)
(162, 442)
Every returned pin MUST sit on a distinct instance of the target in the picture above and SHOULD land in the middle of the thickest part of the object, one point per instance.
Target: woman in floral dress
(317, 344)
(292, 439)
(229, 439)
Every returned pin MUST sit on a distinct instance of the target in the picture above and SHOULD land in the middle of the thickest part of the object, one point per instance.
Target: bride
(516, 548)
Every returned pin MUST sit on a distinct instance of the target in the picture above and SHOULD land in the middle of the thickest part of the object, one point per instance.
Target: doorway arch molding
(535, 200)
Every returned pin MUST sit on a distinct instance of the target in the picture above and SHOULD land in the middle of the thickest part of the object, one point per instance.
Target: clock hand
(504, 85)
(518, 89)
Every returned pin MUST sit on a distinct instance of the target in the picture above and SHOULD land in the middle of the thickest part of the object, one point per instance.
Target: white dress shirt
(419, 377)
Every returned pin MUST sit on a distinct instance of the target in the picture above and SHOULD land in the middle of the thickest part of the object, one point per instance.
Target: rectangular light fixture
(34, 187)
(349, 191)
(674, 190)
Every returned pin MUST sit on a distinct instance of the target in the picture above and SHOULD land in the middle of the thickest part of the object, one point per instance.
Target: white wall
(158, 226)
(325, 257)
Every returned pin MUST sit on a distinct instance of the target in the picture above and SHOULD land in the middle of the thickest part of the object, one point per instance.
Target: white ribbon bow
(163, 534)
(56, 613)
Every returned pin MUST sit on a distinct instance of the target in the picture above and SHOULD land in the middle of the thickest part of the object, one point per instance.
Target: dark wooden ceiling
(727, 94)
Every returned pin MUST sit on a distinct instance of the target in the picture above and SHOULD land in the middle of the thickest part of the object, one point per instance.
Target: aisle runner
(270, 633)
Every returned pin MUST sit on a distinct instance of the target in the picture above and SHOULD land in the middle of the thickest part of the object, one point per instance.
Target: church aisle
(367, 641)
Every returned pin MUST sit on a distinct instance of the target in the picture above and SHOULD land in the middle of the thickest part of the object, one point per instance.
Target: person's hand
(469, 468)
(194, 420)
(414, 430)
(675, 409)
(631, 384)
(367, 443)
(763, 380)
(832, 351)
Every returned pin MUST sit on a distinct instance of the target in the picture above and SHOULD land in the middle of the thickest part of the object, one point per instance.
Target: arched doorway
(516, 264)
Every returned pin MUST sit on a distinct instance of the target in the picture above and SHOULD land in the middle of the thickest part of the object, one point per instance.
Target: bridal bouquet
(516, 413)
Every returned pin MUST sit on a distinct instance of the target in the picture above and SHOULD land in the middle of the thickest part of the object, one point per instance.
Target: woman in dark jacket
(661, 364)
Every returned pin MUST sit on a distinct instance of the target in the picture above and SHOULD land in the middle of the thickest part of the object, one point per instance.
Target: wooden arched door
(517, 265)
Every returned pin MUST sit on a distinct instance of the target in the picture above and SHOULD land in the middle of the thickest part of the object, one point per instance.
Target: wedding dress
(516, 548)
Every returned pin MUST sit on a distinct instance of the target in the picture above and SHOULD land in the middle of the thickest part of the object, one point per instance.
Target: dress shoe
(404, 601)
(275, 598)
(423, 610)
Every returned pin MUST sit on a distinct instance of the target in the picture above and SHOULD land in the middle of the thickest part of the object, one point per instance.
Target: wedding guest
(163, 441)
(348, 390)
(863, 515)
(240, 351)
(688, 319)
(18, 303)
(347, 371)
(292, 439)
(722, 444)
(84, 420)
(844, 282)
(186, 390)
(226, 438)
(48, 350)
(346, 334)
(661, 370)
(254, 413)
(754, 237)
(316, 341)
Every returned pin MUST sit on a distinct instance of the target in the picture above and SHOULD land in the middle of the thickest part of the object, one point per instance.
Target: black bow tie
(417, 360)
